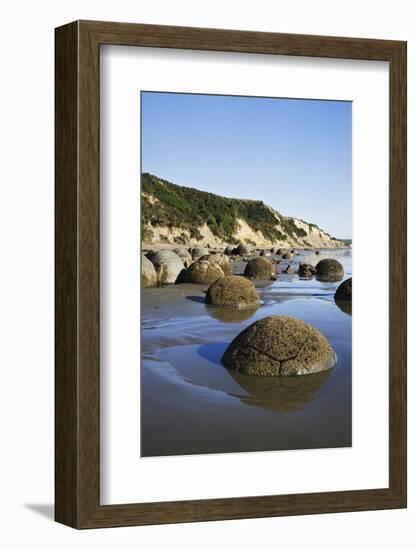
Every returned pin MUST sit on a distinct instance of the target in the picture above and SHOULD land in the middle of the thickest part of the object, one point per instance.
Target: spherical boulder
(169, 271)
(306, 270)
(279, 346)
(287, 256)
(198, 251)
(329, 269)
(259, 268)
(185, 256)
(232, 290)
(344, 291)
(281, 251)
(202, 272)
(148, 273)
(220, 259)
(157, 256)
(242, 249)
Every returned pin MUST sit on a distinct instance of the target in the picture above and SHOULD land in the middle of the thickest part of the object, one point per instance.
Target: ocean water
(192, 404)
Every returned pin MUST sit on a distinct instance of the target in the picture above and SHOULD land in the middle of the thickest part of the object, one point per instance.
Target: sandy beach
(190, 403)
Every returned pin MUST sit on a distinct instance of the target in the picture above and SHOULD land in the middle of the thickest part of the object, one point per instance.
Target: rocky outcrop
(279, 346)
(232, 290)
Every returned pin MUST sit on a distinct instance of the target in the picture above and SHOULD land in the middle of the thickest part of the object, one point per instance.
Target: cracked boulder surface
(259, 268)
(232, 290)
(279, 346)
(202, 272)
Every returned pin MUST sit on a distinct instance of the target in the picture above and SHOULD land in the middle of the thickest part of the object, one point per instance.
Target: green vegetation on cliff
(167, 205)
(188, 208)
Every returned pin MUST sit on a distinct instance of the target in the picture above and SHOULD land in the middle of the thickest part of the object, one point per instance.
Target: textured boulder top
(232, 291)
(198, 251)
(329, 266)
(202, 272)
(221, 259)
(159, 256)
(259, 268)
(182, 252)
(279, 346)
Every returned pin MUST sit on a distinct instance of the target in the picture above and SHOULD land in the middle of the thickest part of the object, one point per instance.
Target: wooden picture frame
(77, 404)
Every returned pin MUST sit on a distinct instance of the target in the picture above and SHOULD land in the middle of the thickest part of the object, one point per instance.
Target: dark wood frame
(77, 274)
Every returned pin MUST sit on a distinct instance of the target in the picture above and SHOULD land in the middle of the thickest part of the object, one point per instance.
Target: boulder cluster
(275, 346)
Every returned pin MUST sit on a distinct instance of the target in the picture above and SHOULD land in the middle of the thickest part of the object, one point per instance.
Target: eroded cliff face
(176, 215)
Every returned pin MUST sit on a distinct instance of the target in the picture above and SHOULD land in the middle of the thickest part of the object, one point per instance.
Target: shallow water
(191, 404)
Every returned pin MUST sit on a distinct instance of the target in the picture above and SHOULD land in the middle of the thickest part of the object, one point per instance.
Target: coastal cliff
(173, 214)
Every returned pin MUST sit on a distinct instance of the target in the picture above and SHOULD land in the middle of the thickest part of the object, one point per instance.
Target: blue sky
(295, 155)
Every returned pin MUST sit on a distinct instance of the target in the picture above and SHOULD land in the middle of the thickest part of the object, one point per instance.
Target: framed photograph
(216, 193)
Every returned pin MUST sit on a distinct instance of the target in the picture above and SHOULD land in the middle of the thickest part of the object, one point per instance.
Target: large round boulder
(306, 270)
(344, 291)
(232, 290)
(287, 256)
(198, 251)
(169, 271)
(279, 346)
(259, 268)
(202, 272)
(220, 259)
(148, 273)
(242, 250)
(329, 269)
(158, 256)
(185, 256)
(281, 251)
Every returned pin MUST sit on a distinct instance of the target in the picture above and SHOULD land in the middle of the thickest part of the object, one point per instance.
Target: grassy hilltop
(182, 215)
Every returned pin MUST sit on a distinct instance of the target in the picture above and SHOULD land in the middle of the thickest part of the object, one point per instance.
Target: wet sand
(191, 404)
